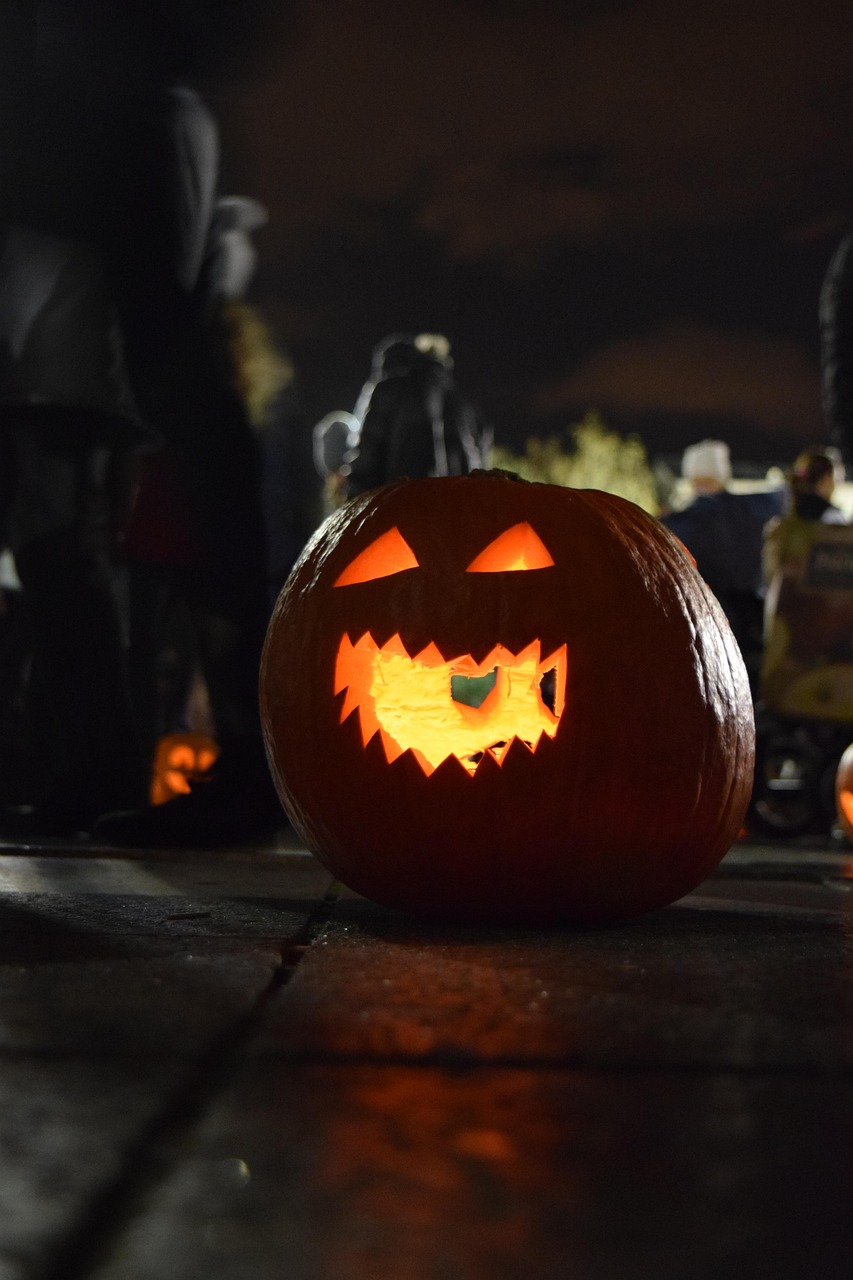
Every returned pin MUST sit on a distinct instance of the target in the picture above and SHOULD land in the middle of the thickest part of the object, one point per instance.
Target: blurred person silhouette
(333, 438)
(815, 476)
(291, 493)
(264, 376)
(724, 533)
(812, 482)
(175, 632)
(179, 575)
(65, 412)
(385, 358)
(414, 420)
(114, 151)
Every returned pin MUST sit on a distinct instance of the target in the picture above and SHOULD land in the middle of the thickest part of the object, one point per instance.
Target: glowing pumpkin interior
(439, 705)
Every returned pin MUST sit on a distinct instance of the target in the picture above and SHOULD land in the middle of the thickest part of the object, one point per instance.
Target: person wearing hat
(724, 533)
(707, 465)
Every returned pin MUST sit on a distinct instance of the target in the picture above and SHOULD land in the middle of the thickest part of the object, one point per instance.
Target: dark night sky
(626, 206)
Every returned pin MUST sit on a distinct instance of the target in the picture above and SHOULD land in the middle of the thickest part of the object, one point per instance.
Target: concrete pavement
(222, 1065)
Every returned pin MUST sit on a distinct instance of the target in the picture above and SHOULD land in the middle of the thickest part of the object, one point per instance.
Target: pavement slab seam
(158, 1145)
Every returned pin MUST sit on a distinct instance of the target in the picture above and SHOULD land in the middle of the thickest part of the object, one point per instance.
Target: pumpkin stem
(498, 471)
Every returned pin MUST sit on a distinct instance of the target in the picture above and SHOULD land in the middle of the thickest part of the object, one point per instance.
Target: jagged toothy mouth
(437, 707)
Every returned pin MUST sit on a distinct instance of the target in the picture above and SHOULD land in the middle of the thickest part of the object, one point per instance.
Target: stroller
(804, 715)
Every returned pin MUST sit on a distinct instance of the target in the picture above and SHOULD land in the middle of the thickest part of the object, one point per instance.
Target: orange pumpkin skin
(844, 793)
(630, 805)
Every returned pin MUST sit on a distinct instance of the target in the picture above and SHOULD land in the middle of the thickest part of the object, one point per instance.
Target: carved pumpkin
(844, 793)
(180, 759)
(487, 700)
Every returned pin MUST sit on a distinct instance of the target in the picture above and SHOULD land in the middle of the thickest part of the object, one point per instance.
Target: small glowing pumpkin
(487, 700)
(179, 760)
(844, 793)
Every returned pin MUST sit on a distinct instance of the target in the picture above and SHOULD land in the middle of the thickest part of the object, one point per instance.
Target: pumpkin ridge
(743, 745)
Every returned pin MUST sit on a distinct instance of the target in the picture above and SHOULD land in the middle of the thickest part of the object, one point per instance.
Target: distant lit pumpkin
(179, 760)
(844, 793)
(487, 700)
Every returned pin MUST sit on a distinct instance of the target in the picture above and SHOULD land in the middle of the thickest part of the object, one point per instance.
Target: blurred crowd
(158, 475)
(736, 537)
(158, 478)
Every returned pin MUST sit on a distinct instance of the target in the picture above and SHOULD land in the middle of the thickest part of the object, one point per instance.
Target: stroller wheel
(786, 797)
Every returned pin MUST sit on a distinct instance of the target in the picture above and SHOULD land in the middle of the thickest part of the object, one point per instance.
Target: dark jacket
(724, 533)
(811, 506)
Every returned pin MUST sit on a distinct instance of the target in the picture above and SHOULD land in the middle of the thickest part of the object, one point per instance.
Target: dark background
(621, 206)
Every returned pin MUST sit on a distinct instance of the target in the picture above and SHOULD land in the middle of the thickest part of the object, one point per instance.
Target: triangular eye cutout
(517, 548)
(389, 553)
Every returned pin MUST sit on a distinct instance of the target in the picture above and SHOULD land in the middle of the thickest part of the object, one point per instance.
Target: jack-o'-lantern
(844, 793)
(179, 760)
(488, 700)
